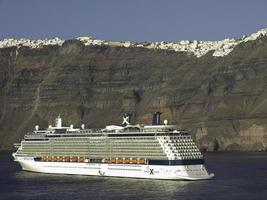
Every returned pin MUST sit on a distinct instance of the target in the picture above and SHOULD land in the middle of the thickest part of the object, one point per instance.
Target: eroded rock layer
(221, 100)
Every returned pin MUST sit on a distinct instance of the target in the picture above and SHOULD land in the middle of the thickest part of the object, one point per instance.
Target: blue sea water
(238, 176)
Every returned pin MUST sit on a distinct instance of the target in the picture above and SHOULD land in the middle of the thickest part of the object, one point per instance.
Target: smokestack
(156, 118)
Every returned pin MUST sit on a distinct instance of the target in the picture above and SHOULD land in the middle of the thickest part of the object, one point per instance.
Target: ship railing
(34, 137)
(17, 145)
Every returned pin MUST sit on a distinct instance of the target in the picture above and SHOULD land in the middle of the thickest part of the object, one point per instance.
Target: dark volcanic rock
(221, 100)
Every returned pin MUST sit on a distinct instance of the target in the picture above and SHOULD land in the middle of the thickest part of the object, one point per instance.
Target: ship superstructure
(158, 151)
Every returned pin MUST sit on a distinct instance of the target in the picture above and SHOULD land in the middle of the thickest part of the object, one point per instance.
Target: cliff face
(221, 100)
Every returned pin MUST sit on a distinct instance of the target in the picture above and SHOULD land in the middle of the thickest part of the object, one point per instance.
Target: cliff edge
(217, 90)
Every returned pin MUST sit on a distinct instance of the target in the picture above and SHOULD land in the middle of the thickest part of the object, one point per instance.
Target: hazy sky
(134, 20)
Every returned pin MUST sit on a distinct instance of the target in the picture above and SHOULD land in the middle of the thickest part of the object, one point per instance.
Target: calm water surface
(238, 176)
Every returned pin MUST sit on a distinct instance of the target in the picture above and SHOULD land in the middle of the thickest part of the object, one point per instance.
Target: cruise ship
(156, 151)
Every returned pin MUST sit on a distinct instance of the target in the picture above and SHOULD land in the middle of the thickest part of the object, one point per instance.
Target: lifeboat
(54, 158)
(60, 159)
(73, 159)
(66, 159)
(49, 158)
(113, 160)
(133, 161)
(81, 159)
(141, 161)
(44, 158)
(126, 161)
(119, 161)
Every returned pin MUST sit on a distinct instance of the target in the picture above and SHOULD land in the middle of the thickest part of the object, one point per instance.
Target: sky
(132, 20)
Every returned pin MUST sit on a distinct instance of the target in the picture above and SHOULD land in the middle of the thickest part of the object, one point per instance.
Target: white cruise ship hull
(168, 172)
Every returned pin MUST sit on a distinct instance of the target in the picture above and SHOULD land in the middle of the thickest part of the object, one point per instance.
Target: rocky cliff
(216, 90)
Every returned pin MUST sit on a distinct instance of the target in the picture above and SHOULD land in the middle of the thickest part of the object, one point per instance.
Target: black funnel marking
(156, 118)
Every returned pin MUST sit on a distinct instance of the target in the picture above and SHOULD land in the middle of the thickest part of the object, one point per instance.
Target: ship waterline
(156, 151)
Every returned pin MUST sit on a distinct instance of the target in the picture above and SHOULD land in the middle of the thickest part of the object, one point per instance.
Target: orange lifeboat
(119, 161)
(73, 159)
(49, 158)
(81, 159)
(60, 159)
(54, 158)
(66, 159)
(133, 161)
(141, 161)
(44, 158)
(113, 160)
(126, 161)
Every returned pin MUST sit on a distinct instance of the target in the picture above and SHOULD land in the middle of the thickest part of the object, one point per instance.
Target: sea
(237, 176)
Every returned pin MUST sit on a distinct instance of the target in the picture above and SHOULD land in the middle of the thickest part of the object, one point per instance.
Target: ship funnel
(126, 120)
(58, 122)
(156, 118)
